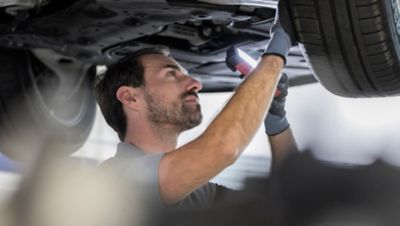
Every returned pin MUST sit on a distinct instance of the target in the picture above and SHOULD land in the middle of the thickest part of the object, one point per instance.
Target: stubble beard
(180, 115)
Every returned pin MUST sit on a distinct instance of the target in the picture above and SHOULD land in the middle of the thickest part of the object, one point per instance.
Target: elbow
(223, 151)
(229, 153)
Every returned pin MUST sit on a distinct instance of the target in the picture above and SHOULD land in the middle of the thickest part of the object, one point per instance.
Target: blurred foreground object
(60, 191)
(304, 191)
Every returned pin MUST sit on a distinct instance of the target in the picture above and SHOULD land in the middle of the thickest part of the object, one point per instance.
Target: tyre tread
(328, 30)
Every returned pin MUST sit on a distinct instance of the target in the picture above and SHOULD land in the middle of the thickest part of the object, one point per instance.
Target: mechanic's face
(170, 94)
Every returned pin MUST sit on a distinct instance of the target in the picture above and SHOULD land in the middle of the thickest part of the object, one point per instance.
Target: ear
(128, 96)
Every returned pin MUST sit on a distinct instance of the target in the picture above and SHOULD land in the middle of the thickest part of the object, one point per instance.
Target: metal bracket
(259, 3)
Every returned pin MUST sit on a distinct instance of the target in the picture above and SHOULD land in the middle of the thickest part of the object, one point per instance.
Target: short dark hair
(127, 71)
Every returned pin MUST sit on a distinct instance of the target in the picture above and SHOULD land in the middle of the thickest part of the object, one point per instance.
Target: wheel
(45, 98)
(353, 46)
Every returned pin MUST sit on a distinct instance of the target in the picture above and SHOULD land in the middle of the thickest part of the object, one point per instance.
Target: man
(149, 99)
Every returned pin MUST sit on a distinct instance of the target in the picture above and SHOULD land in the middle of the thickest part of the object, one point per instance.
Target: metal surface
(139, 4)
(101, 32)
(192, 34)
(70, 75)
(15, 5)
(258, 3)
(217, 77)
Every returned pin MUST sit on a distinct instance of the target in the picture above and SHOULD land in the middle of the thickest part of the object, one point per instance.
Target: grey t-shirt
(144, 168)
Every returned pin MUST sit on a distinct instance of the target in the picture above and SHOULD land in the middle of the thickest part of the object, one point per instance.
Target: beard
(183, 116)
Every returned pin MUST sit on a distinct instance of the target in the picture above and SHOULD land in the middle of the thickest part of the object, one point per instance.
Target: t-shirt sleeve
(144, 171)
(206, 196)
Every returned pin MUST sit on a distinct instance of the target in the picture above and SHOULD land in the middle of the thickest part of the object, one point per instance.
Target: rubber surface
(351, 45)
(26, 125)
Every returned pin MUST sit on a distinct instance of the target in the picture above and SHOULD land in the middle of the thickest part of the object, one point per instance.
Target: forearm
(242, 116)
(282, 145)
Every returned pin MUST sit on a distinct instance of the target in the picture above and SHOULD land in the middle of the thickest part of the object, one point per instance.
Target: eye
(171, 73)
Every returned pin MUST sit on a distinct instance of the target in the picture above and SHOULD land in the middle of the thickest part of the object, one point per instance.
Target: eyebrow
(173, 66)
(176, 67)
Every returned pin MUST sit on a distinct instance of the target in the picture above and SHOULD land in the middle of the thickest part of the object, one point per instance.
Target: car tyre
(352, 46)
(36, 107)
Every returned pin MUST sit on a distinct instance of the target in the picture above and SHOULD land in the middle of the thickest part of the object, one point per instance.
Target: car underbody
(198, 32)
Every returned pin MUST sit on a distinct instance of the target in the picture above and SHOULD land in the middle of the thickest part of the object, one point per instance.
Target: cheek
(166, 92)
(164, 98)
(170, 93)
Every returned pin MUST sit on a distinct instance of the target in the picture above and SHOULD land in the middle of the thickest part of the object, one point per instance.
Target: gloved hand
(282, 32)
(275, 122)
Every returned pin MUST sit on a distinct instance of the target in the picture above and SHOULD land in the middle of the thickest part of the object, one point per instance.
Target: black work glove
(282, 32)
(275, 122)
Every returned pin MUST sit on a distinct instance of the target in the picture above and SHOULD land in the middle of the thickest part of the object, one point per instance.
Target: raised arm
(188, 167)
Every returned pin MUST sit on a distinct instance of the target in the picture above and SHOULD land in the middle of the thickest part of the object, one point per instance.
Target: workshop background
(338, 130)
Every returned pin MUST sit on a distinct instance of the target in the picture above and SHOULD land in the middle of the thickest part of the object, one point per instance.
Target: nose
(194, 84)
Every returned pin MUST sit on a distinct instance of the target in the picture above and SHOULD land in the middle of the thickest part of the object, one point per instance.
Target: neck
(152, 139)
